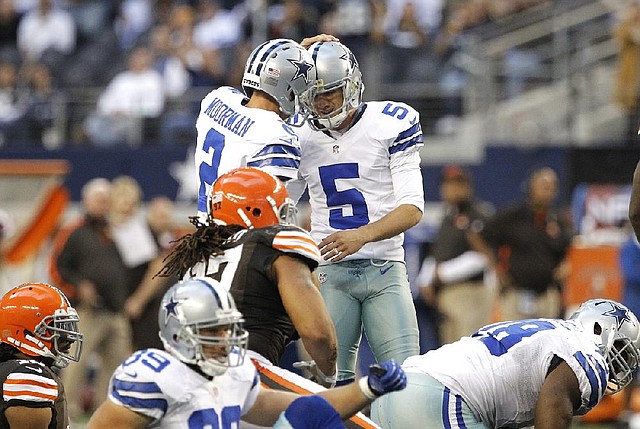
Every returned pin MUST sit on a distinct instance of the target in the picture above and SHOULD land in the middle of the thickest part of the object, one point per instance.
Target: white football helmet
(283, 69)
(616, 331)
(336, 67)
(190, 311)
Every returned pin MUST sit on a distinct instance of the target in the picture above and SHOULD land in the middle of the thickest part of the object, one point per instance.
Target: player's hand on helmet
(308, 41)
(317, 375)
(383, 378)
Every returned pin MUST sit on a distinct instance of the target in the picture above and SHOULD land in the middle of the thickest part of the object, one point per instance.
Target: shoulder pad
(30, 381)
(395, 122)
(288, 239)
(296, 240)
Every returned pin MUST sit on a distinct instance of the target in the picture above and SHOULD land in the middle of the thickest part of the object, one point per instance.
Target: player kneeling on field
(522, 373)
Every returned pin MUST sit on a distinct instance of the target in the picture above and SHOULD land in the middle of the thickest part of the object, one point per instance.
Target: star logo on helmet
(353, 63)
(302, 69)
(170, 308)
(621, 314)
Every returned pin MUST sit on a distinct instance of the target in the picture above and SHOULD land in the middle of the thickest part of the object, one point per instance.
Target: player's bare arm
(28, 418)
(110, 415)
(559, 397)
(337, 246)
(301, 298)
(268, 406)
(634, 203)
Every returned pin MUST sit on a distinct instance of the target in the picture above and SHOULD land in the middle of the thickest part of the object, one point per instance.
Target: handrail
(535, 31)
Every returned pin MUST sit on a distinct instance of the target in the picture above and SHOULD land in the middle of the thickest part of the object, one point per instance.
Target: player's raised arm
(634, 203)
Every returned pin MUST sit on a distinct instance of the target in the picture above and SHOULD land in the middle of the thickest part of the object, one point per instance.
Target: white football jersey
(156, 384)
(358, 177)
(231, 135)
(500, 369)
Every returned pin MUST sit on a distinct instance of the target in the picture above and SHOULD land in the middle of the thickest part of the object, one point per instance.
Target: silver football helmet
(336, 67)
(283, 69)
(200, 325)
(616, 331)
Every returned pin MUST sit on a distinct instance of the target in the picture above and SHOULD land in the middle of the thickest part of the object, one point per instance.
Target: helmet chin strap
(331, 123)
(211, 368)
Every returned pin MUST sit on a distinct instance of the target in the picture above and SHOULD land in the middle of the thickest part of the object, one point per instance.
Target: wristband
(365, 389)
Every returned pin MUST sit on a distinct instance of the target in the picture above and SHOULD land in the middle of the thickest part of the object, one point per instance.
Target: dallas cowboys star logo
(621, 314)
(352, 59)
(302, 69)
(170, 308)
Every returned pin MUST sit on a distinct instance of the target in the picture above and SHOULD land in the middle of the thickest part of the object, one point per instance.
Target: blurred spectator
(179, 114)
(46, 28)
(627, 86)
(86, 264)
(175, 77)
(530, 242)
(134, 19)
(91, 17)
(142, 305)
(218, 27)
(408, 31)
(357, 23)
(13, 104)
(24, 6)
(128, 107)
(140, 250)
(409, 22)
(455, 284)
(9, 20)
(290, 19)
(465, 20)
(39, 118)
(205, 66)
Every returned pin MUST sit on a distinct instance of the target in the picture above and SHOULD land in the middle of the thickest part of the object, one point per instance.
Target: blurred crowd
(70, 60)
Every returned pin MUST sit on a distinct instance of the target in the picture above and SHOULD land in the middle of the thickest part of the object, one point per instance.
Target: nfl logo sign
(322, 277)
(336, 148)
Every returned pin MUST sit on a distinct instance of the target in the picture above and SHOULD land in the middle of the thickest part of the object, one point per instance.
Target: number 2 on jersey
(343, 199)
(208, 171)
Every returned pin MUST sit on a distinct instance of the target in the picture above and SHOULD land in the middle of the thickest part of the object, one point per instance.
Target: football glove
(383, 378)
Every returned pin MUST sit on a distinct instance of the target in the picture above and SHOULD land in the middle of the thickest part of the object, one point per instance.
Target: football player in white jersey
(361, 164)
(202, 379)
(250, 245)
(236, 129)
(517, 374)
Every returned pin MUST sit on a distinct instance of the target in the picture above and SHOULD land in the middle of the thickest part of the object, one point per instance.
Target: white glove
(317, 375)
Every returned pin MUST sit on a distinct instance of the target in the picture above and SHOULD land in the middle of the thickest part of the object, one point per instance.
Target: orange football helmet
(251, 197)
(37, 319)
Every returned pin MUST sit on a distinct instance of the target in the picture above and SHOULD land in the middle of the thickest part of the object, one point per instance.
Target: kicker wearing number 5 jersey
(361, 163)
(267, 265)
